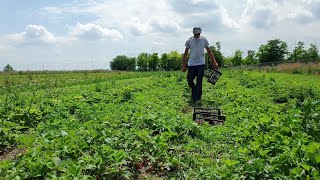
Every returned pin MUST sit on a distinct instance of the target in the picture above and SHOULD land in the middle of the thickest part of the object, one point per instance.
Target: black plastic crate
(212, 76)
(213, 116)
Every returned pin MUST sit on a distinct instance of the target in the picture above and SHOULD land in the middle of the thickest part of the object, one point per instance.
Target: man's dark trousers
(195, 71)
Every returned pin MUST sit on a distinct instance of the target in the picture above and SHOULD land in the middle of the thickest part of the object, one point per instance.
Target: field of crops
(134, 125)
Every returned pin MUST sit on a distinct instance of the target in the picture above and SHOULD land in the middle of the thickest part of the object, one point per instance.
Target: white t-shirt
(196, 46)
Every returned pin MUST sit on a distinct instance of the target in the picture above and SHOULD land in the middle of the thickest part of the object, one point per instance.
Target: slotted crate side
(207, 110)
(216, 122)
(212, 76)
(210, 115)
(207, 73)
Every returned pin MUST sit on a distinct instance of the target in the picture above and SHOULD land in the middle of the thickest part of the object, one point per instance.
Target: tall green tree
(217, 54)
(251, 58)
(227, 61)
(142, 61)
(8, 68)
(237, 58)
(131, 64)
(299, 53)
(174, 61)
(313, 53)
(164, 62)
(154, 62)
(123, 62)
(274, 50)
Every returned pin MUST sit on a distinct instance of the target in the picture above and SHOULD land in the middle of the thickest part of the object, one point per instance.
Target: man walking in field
(196, 61)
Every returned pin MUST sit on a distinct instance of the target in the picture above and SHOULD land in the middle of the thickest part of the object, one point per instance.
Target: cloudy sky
(86, 34)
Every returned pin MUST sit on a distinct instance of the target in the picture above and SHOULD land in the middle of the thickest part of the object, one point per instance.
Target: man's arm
(213, 59)
(184, 60)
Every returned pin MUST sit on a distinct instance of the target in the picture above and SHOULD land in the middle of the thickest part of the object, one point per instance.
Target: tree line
(153, 62)
(274, 50)
(148, 62)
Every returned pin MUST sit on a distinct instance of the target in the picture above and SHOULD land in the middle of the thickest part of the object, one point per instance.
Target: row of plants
(141, 127)
(291, 68)
(277, 125)
(16, 82)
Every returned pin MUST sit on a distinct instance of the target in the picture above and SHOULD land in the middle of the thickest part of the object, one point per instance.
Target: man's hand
(184, 60)
(215, 65)
(184, 69)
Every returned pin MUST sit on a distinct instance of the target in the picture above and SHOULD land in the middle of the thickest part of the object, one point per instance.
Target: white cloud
(39, 33)
(2, 48)
(314, 7)
(227, 20)
(259, 14)
(94, 32)
(165, 25)
(193, 6)
(33, 34)
(210, 15)
(266, 13)
(136, 27)
(301, 16)
(139, 17)
(71, 7)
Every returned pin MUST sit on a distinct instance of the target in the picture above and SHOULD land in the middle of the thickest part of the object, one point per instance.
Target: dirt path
(12, 153)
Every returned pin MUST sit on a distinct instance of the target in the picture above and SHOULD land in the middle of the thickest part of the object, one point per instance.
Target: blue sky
(68, 35)
(15, 14)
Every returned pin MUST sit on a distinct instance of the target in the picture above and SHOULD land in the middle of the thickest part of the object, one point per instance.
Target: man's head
(196, 32)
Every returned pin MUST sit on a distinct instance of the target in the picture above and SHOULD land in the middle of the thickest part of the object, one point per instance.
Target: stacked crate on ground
(213, 116)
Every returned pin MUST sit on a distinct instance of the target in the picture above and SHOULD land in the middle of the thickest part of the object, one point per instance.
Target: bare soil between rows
(12, 153)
